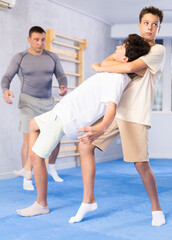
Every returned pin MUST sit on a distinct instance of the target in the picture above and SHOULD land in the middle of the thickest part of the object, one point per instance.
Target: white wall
(121, 31)
(14, 26)
(160, 136)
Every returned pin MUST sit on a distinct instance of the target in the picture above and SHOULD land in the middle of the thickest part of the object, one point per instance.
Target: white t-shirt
(87, 103)
(136, 102)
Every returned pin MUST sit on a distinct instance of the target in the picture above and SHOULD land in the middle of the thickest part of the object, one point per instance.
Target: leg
(135, 149)
(26, 171)
(88, 168)
(40, 174)
(149, 182)
(25, 148)
(51, 165)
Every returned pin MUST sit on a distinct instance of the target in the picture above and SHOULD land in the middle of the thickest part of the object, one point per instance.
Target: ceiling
(117, 11)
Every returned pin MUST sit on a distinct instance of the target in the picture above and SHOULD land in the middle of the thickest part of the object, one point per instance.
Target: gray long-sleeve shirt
(35, 73)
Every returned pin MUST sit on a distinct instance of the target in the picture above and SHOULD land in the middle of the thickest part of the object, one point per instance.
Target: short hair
(152, 10)
(36, 29)
(135, 47)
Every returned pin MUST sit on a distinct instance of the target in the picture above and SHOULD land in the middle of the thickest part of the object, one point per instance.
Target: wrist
(102, 127)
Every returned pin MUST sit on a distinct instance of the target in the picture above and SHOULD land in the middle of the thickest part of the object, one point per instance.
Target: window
(157, 105)
(163, 88)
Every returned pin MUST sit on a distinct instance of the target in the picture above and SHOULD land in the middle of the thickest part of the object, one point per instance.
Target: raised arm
(92, 133)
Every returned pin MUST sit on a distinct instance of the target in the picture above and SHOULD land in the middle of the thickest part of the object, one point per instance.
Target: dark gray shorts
(31, 107)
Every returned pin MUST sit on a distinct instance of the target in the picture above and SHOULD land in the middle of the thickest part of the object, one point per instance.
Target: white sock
(23, 173)
(52, 171)
(27, 184)
(33, 210)
(82, 211)
(158, 218)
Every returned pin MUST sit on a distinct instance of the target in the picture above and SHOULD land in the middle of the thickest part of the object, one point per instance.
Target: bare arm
(128, 67)
(92, 133)
(109, 61)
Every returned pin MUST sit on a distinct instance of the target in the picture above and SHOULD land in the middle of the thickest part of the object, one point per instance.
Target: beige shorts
(134, 138)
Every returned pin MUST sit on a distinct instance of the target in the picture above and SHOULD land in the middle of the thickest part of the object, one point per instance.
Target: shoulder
(51, 54)
(18, 57)
(156, 53)
(158, 48)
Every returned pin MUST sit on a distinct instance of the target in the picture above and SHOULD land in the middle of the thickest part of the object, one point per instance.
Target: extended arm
(92, 133)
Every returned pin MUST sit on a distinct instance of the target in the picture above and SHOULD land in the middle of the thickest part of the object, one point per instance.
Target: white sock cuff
(51, 165)
(159, 212)
(38, 205)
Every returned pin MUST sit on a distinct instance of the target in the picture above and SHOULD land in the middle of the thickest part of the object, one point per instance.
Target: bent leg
(88, 168)
(40, 174)
(149, 182)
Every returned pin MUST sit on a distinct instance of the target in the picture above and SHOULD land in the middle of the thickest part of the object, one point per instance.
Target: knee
(86, 148)
(142, 167)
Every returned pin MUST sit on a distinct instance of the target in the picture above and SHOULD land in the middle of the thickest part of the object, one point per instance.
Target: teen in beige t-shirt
(136, 102)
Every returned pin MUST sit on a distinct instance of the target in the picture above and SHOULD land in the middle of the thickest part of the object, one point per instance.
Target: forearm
(109, 115)
(93, 132)
(115, 68)
(59, 73)
(5, 83)
(10, 73)
(128, 67)
(63, 81)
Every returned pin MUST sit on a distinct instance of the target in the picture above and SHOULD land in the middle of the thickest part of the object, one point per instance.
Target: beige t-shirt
(136, 102)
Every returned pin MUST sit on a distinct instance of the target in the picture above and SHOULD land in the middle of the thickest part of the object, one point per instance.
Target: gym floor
(124, 211)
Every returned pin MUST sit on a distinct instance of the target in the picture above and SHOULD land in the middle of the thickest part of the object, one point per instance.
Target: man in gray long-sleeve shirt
(35, 68)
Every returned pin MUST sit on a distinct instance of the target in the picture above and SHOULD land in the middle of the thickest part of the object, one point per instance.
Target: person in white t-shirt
(96, 97)
(132, 119)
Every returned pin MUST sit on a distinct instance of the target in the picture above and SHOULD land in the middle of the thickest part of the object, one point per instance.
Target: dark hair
(36, 29)
(136, 47)
(152, 10)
